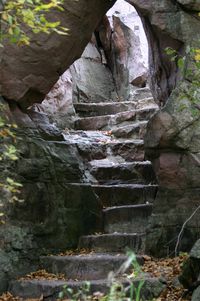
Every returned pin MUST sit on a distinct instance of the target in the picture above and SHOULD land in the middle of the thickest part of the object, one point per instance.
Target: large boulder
(92, 79)
(28, 73)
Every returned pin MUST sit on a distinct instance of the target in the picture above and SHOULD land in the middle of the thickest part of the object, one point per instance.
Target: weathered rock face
(28, 73)
(125, 44)
(172, 140)
(55, 212)
(92, 79)
(58, 102)
(173, 144)
(166, 24)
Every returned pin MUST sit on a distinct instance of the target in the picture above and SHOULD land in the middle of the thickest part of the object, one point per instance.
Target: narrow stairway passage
(109, 137)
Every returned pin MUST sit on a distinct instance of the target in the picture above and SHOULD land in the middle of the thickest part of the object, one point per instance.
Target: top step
(135, 96)
(109, 108)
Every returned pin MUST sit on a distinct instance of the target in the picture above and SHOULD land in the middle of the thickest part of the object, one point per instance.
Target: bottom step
(49, 289)
(85, 267)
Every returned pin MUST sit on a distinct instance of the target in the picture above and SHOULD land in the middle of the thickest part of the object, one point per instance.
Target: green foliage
(20, 16)
(118, 291)
(189, 66)
(9, 188)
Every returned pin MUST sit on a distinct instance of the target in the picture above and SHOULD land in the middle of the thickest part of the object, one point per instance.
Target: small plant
(82, 293)
(119, 291)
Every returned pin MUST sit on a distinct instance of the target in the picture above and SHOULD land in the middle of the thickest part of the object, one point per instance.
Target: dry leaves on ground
(43, 275)
(170, 269)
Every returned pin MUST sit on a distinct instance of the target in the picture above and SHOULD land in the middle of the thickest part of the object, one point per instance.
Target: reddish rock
(28, 73)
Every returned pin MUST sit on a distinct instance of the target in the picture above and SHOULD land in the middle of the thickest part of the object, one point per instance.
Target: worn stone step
(127, 219)
(135, 130)
(116, 242)
(107, 122)
(125, 194)
(128, 150)
(49, 289)
(140, 93)
(112, 172)
(85, 267)
(98, 145)
(110, 108)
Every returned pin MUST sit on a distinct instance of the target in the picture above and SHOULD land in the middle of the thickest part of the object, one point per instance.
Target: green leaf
(181, 63)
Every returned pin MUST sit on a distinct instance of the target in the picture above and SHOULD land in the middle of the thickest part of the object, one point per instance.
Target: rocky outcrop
(173, 144)
(55, 212)
(166, 24)
(125, 44)
(28, 73)
(172, 140)
(92, 79)
(58, 103)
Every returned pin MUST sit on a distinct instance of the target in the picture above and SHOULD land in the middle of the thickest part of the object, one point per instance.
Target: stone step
(116, 242)
(107, 122)
(85, 267)
(135, 130)
(98, 145)
(110, 108)
(110, 172)
(127, 219)
(125, 194)
(128, 150)
(50, 289)
(140, 93)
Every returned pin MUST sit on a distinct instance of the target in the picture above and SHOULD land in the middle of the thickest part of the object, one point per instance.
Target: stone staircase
(109, 137)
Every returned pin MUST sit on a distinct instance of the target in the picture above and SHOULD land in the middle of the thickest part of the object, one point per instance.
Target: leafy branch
(18, 16)
(9, 188)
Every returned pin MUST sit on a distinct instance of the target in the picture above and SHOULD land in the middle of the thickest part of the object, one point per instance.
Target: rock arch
(172, 140)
